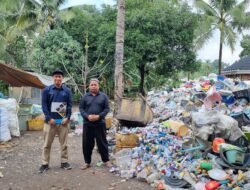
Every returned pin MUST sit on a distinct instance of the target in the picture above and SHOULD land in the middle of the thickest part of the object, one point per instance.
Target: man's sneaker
(43, 168)
(66, 166)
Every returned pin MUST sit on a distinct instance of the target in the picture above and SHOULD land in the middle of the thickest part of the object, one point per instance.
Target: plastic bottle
(154, 176)
(127, 174)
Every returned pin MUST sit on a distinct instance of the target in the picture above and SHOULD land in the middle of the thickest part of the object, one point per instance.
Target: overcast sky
(209, 51)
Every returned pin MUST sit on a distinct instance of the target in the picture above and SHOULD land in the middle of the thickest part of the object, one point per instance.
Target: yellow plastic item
(108, 121)
(35, 124)
(126, 140)
(178, 127)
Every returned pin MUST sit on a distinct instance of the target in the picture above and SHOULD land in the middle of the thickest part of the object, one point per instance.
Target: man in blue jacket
(56, 105)
(94, 106)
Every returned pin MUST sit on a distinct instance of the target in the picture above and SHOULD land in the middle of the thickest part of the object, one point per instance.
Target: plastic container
(235, 156)
(206, 165)
(25, 109)
(108, 121)
(23, 119)
(35, 124)
(216, 144)
(242, 94)
(212, 185)
(228, 99)
(221, 77)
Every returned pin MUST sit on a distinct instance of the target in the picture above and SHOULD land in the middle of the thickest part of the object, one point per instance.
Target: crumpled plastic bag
(213, 122)
(11, 106)
(204, 118)
(4, 122)
(228, 128)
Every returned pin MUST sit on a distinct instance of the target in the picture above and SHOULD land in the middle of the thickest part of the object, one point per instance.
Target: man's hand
(96, 117)
(52, 122)
(65, 121)
(93, 118)
(90, 117)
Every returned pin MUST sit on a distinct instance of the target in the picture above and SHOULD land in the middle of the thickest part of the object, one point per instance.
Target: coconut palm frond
(66, 15)
(206, 8)
(240, 19)
(26, 20)
(12, 33)
(230, 37)
(203, 38)
(3, 43)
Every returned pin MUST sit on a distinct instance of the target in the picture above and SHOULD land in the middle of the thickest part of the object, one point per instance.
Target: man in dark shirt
(94, 107)
(56, 105)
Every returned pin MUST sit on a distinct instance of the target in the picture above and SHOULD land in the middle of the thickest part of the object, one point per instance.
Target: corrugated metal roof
(241, 65)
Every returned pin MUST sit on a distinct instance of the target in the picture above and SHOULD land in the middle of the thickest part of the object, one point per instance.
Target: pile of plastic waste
(198, 139)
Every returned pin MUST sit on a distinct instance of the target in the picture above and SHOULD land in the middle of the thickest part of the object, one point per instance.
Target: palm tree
(227, 16)
(13, 24)
(38, 16)
(119, 51)
(50, 14)
(29, 17)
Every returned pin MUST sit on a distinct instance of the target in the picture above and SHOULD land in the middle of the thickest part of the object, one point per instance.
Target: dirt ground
(20, 161)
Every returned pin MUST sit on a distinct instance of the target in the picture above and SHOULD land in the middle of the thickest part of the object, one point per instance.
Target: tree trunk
(142, 73)
(86, 63)
(119, 50)
(220, 52)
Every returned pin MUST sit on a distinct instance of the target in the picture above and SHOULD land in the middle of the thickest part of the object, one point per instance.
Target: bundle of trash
(198, 138)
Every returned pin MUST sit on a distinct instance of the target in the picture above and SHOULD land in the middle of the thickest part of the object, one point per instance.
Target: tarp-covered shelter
(25, 86)
(19, 78)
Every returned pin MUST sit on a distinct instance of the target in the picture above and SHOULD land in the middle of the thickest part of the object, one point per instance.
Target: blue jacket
(56, 102)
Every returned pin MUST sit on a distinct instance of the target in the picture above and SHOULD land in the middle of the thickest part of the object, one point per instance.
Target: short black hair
(57, 72)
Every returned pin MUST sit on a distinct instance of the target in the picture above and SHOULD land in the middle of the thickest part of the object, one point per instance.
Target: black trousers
(90, 134)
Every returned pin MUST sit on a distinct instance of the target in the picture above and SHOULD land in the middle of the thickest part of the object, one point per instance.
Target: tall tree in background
(50, 14)
(159, 38)
(245, 44)
(17, 20)
(96, 27)
(119, 50)
(227, 16)
(24, 18)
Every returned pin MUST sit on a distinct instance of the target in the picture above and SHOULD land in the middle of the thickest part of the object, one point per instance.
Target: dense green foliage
(159, 38)
(56, 49)
(245, 44)
(159, 41)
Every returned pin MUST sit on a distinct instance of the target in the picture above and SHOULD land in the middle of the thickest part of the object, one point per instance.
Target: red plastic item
(160, 186)
(163, 171)
(216, 144)
(212, 185)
